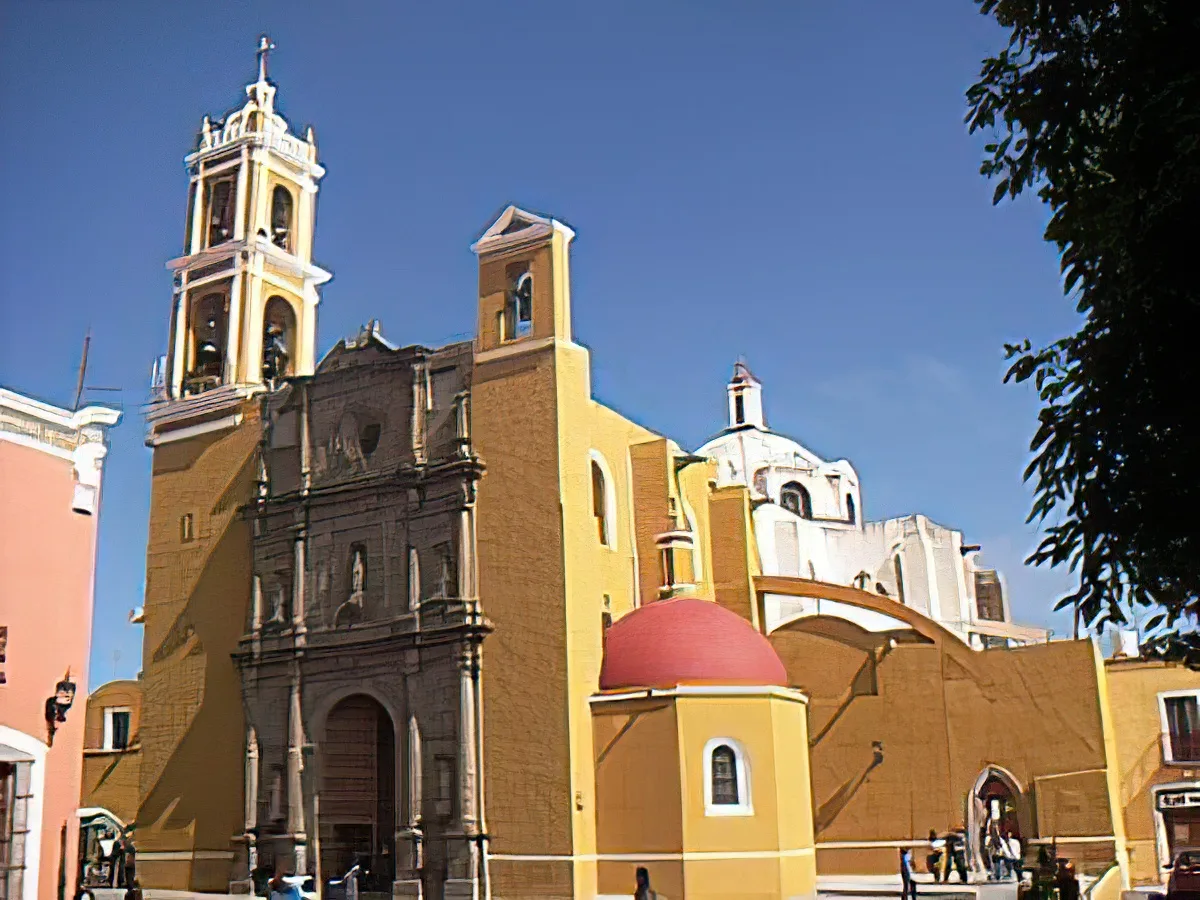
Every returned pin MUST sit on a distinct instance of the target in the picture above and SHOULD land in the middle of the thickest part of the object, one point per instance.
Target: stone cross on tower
(264, 49)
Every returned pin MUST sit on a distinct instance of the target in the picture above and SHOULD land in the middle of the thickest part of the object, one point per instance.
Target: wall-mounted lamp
(57, 706)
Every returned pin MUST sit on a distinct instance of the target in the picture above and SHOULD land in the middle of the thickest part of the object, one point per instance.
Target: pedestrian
(280, 889)
(908, 887)
(937, 849)
(128, 859)
(1013, 844)
(997, 851)
(643, 890)
(957, 849)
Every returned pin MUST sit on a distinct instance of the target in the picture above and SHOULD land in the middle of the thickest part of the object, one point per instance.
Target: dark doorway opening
(358, 793)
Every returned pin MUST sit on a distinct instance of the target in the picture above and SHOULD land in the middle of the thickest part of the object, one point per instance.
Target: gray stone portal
(365, 592)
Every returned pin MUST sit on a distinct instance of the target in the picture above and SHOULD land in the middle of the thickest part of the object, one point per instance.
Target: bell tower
(244, 319)
(245, 290)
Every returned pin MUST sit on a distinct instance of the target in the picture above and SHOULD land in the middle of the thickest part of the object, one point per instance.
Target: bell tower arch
(246, 288)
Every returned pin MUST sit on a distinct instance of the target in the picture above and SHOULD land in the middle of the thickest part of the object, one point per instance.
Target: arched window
(602, 500)
(523, 298)
(726, 779)
(281, 218)
(851, 512)
(279, 340)
(220, 211)
(794, 497)
(898, 568)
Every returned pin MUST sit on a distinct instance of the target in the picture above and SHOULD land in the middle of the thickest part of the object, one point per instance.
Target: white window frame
(108, 726)
(745, 804)
(1168, 747)
(610, 498)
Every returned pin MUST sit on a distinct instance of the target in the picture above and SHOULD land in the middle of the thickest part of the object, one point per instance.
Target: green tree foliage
(1095, 106)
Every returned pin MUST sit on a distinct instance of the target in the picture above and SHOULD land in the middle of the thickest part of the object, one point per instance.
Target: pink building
(50, 463)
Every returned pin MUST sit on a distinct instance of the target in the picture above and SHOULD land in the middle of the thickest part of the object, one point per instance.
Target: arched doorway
(996, 806)
(99, 833)
(358, 792)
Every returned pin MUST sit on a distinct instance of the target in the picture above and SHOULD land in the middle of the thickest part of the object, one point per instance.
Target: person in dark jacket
(643, 890)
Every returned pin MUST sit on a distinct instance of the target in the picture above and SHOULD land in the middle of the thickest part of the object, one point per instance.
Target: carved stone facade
(360, 659)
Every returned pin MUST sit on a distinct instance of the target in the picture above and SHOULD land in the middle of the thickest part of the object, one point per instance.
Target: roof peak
(516, 226)
(742, 373)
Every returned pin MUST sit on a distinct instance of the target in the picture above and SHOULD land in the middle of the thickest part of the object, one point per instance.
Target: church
(439, 613)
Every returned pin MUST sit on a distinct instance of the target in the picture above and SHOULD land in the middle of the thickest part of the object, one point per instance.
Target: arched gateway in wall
(358, 777)
(997, 803)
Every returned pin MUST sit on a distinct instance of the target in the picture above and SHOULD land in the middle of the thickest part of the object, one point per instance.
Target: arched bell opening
(207, 336)
(282, 218)
(278, 341)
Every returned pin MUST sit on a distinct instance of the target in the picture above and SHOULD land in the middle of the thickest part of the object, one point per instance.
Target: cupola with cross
(246, 289)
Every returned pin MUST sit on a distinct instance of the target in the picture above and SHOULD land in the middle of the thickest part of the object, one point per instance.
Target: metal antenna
(87, 340)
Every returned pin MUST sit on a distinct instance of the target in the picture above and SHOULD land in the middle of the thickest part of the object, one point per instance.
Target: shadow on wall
(210, 751)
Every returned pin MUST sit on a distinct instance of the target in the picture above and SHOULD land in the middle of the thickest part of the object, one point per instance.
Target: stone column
(241, 202)
(410, 837)
(199, 204)
(250, 819)
(234, 327)
(256, 617)
(299, 576)
(295, 784)
(179, 350)
(463, 849)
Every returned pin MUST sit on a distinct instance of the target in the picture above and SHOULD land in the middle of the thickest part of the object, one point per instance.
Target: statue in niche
(345, 452)
(278, 602)
(352, 610)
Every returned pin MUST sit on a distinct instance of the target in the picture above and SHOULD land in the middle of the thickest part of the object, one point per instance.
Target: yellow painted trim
(1113, 776)
(685, 856)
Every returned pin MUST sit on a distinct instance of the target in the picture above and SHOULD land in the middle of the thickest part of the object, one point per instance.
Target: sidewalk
(872, 887)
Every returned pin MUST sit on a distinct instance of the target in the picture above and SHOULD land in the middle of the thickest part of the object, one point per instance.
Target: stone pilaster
(295, 784)
(464, 846)
(249, 857)
(410, 838)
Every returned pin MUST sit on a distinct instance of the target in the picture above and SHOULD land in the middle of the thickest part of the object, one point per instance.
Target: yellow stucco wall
(197, 596)
(111, 777)
(1133, 689)
(651, 797)
(768, 854)
(637, 781)
(593, 571)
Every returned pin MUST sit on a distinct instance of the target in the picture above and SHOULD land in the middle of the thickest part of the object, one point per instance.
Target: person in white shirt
(1013, 851)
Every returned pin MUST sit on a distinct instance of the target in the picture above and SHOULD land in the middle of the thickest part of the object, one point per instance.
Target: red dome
(687, 641)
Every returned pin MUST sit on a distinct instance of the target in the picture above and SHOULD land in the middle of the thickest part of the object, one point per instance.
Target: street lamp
(57, 706)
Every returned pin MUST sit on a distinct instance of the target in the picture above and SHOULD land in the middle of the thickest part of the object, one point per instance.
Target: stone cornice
(50, 429)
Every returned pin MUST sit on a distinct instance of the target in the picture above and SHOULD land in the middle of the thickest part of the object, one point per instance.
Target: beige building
(1158, 754)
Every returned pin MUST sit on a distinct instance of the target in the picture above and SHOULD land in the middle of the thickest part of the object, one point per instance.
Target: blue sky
(788, 181)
